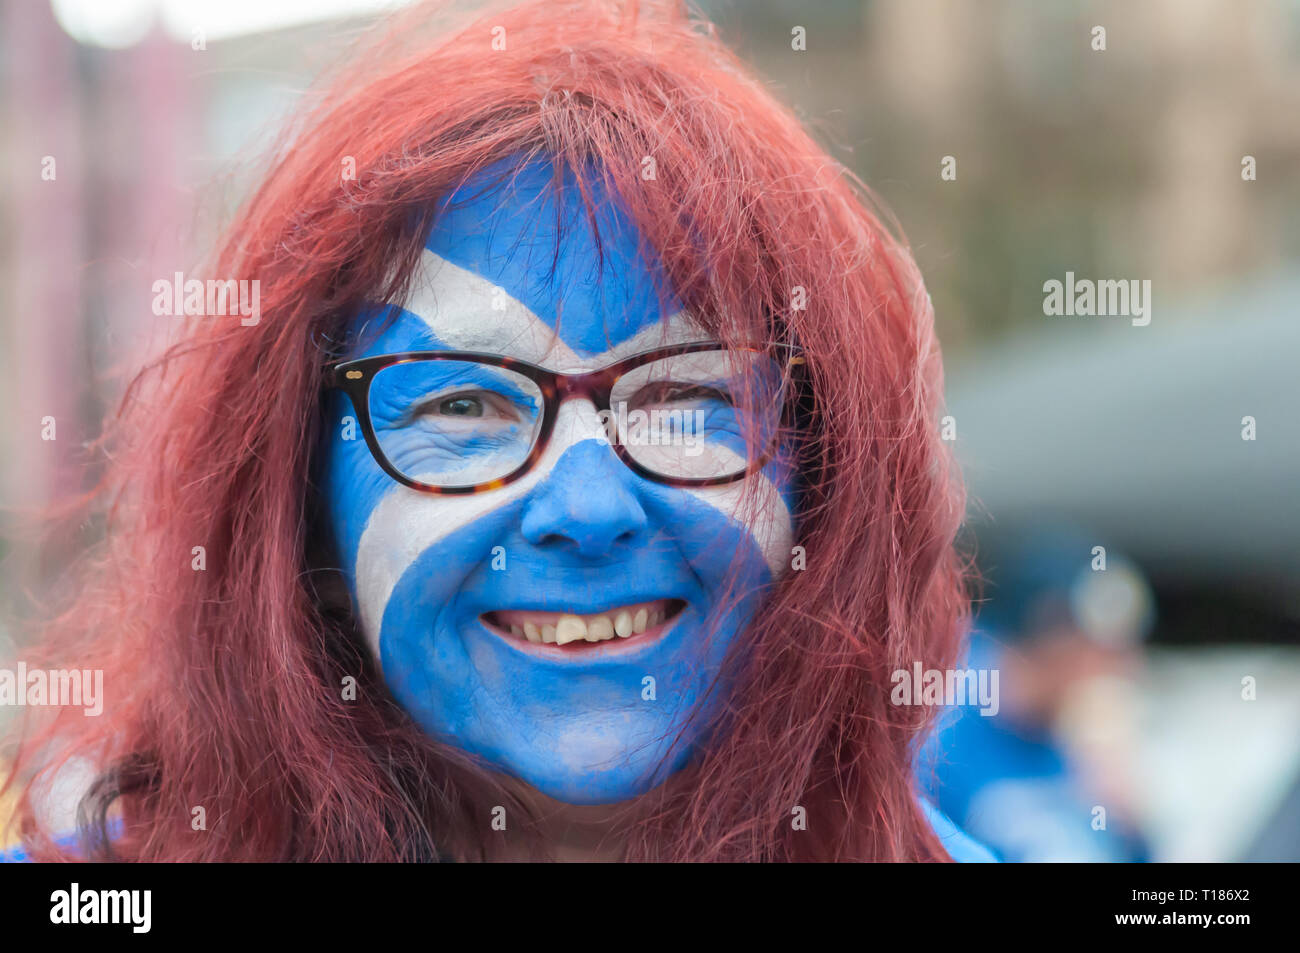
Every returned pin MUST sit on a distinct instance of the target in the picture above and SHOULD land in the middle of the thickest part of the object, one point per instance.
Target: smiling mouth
(623, 623)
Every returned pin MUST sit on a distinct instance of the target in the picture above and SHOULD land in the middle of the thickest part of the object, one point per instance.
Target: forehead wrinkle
(456, 304)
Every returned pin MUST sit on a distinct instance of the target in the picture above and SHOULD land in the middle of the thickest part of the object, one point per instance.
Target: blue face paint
(580, 533)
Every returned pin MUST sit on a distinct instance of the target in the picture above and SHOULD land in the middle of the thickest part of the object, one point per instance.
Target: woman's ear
(330, 592)
(326, 585)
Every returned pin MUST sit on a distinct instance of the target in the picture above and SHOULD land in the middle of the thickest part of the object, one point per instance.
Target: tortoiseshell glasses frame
(355, 377)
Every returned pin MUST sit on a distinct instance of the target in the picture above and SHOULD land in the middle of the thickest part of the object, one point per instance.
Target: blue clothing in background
(960, 846)
(1014, 790)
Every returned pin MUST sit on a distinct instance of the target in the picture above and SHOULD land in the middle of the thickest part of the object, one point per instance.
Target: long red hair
(223, 685)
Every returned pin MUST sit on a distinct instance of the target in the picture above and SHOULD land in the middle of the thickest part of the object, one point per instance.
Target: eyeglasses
(449, 422)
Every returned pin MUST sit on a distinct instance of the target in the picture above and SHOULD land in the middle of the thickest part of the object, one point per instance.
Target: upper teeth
(622, 623)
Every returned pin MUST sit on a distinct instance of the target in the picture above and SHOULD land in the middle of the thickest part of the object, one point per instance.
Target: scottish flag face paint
(555, 626)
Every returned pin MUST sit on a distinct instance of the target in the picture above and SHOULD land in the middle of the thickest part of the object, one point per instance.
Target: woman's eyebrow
(483, 375)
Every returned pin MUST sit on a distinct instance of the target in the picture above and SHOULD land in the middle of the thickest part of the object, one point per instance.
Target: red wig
(223, 686)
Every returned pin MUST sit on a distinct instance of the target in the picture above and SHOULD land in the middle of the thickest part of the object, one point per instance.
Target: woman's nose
(585, 503)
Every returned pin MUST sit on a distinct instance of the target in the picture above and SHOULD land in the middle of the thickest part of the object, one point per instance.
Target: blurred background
(1164, 688)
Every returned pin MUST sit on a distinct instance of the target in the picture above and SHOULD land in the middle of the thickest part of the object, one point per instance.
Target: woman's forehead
(451, 308)
(517, 258)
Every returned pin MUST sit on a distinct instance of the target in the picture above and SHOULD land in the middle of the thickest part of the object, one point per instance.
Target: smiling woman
(668, 638)
(660, 534)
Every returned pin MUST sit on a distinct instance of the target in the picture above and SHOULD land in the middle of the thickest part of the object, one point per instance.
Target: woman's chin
(595, 785)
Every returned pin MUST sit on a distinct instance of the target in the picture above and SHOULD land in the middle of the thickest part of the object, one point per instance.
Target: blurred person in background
(1045, 776)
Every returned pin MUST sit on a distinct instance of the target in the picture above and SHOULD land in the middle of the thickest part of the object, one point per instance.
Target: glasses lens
(699, 416)
(454, 423)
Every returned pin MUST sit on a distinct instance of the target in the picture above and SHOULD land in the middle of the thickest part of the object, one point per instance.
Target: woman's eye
(468, 405)
(461, 407)
(669, 393)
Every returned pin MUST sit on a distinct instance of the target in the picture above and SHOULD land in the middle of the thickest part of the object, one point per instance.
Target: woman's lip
(561, 633)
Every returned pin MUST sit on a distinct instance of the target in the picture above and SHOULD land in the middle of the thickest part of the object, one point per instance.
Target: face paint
(440, 581)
